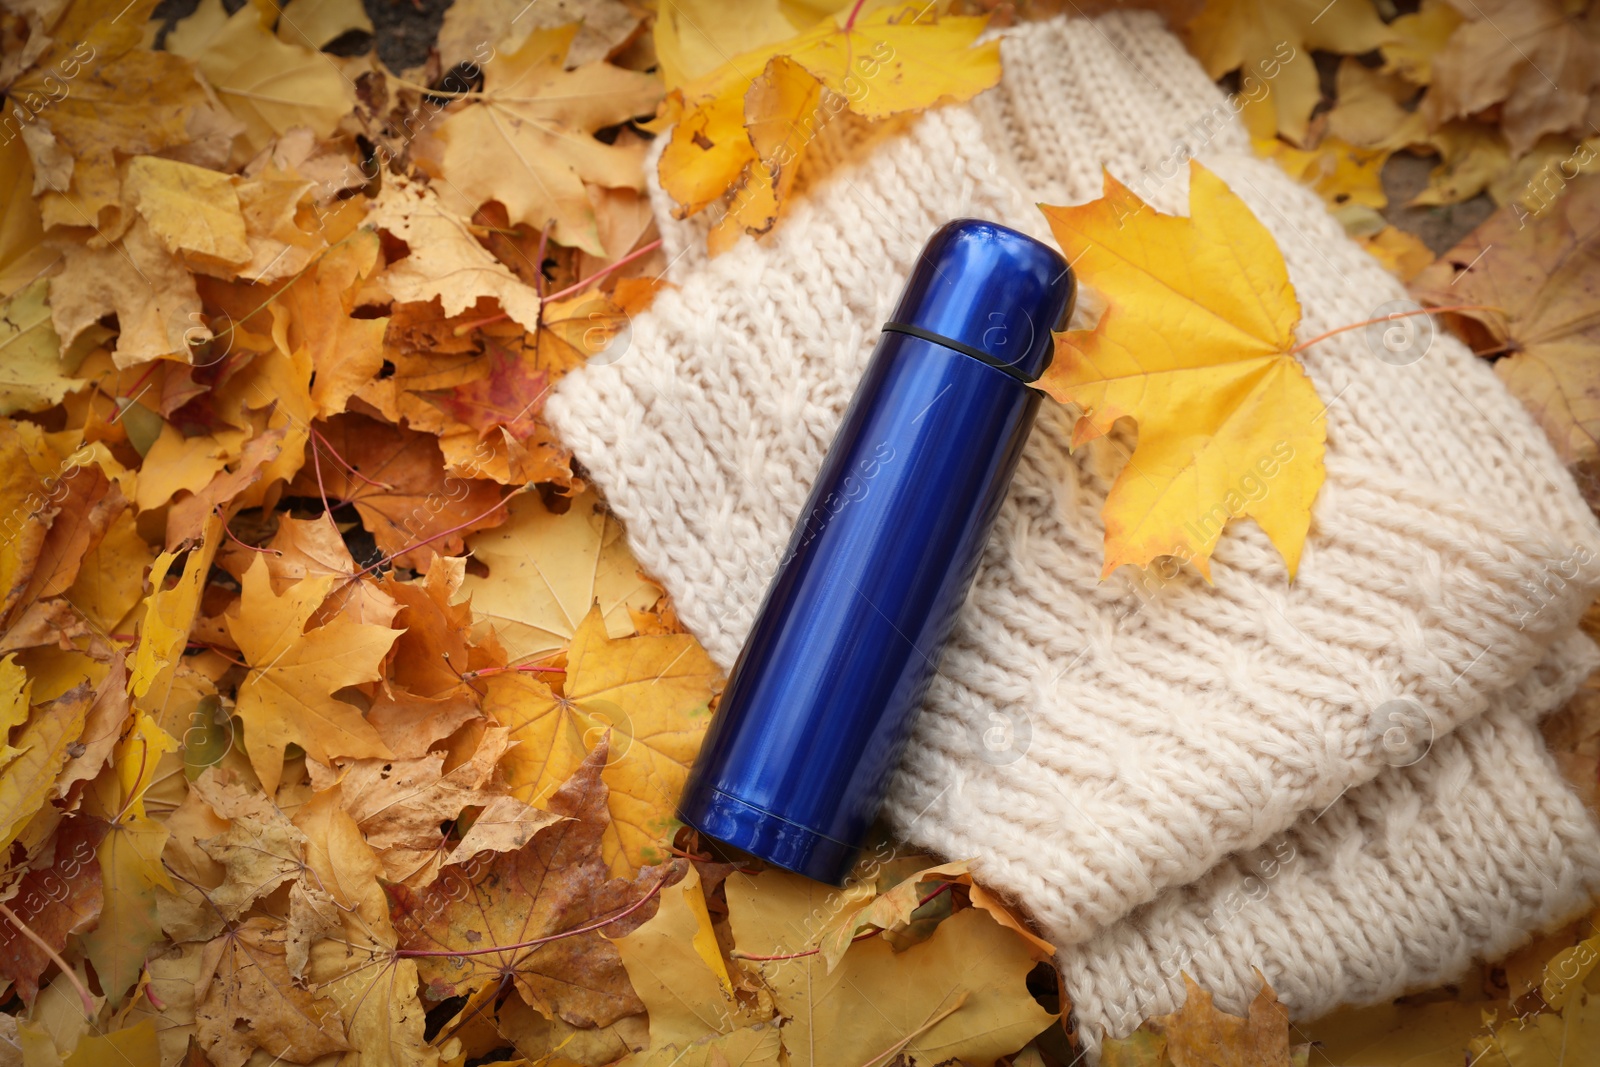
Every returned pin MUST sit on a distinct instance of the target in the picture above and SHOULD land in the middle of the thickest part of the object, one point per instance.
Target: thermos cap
(990, 291)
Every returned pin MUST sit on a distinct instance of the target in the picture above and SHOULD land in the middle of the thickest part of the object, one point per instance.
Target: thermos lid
(990, 291)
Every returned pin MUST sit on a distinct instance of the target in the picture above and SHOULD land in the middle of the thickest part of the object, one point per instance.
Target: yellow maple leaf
(193, 211)
(546, 571)
(268, 84)
(649, 692)
(97, 96)
(734, 130)
(288, 696)
(1270, 43)
(1195, 344)
(527, 140)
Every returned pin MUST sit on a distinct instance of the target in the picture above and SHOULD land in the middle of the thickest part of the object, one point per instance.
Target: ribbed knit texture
(1097, 746)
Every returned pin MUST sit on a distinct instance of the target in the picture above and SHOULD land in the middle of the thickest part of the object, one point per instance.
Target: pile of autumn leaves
(342, 727)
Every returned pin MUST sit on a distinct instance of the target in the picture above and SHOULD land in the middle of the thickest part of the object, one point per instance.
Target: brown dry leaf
(187, 519)
(148, 288)
(648, 695)
(1198, 1035)
(246, 1000)
(401, 804)
(894, 908)
(399, 486)
(527, 141)
(1270, 42)
(1542, 275)
(87, 502)
(258, 852)
(312, 548)
(504, 825)
(510, 396)
(122, 100)
(546, 571)
(287, 698)
(554, 885)
(434, 652)
(1539, 60)
(444, 260)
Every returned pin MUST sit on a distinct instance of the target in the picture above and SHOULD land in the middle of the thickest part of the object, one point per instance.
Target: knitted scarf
(1170, 776)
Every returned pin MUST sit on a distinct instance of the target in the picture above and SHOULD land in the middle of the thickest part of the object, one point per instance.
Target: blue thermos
(824, 693)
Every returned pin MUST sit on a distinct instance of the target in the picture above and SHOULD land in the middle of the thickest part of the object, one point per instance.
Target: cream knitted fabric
(1147, 728)
(1398, 885)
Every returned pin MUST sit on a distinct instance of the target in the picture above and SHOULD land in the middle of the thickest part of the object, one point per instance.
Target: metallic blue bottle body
(819, 705)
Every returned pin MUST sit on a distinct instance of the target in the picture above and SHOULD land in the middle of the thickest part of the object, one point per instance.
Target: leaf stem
(408, 953)
(55, 957)
(850, 22)
(1302, 346)
(442, 533)
(575, 287)
(484, 671)
(736, 954)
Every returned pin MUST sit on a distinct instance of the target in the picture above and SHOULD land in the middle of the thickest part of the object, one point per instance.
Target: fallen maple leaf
(677, 969)
(270, 85)
(400, 804)
(526, 140)
(546, 571)
(345, 351)
(246, 1000)
(1196, 343)
(124, 100)
(1198, 1035)
(962, 994)
(732, 131)
(395, 477)
(1270, 42)
(695, 37)
(288, 696)
(532, 917)
(443, 260)
(648, 695)
(1538, 59)
(1542, 279)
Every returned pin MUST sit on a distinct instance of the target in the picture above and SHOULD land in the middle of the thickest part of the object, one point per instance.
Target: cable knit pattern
(1398, 885)
(1156, 725)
